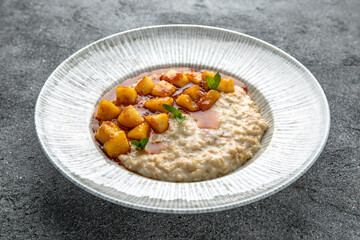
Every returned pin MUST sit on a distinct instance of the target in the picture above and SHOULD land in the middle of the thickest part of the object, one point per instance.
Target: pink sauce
(155, 147)
(207, 119)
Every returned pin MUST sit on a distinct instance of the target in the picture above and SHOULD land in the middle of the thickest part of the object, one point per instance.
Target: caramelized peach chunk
(140, 132)
(125, 95)
(226, 85)
(194, 92)
(106, 130)
(163, 89)
(158, 122)
(207, 73)
(194, 77)
(145, 86)
(186, 102)
(204, 85)
(117, 144)
(129, 117)
(176, 78)
(208, 100)
(107, 110)
(155, 104)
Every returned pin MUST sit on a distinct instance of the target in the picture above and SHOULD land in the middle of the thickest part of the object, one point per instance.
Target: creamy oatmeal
(215, 138)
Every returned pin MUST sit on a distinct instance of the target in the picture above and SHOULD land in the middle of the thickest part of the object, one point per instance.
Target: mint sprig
(140, 144)
(213, 83)
(176, 112)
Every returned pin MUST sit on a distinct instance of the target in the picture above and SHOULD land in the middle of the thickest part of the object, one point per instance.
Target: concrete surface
(37, 202)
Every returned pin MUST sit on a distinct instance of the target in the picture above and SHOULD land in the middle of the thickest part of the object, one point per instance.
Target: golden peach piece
(129, 117)
(208, 100)
(140, 132)
(186, 102)
(125, 95)
(107, 111)
(117, 144)
(176, 78)
(155, 104)
(204, 85)
(158, 122)
(226, 85)
(106, 130)
(194, 92)
(163, 89)
(194, 77)
(145, 86)
(207, 73)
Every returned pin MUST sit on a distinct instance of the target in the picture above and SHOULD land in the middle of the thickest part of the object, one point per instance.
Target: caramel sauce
(205, 119)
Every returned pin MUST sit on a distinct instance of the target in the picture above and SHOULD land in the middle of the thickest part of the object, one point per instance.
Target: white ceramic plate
(289, 96)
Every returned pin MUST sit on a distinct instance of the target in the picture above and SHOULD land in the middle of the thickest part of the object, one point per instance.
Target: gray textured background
(38, 202)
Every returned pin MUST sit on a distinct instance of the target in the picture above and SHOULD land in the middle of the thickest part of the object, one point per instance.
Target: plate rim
(216, 208)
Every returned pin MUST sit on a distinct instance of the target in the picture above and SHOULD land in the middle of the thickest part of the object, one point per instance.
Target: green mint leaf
(170, 108)
(214, 82)
(210, 82)
(135, 143)
(177, 113)
(140, 145)
(217, 80)
(180, 118)
(143, 142)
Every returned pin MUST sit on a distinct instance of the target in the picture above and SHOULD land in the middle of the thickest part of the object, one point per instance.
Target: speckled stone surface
(37, 202)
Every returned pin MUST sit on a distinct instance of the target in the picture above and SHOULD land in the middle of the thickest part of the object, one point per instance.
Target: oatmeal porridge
(179, 126)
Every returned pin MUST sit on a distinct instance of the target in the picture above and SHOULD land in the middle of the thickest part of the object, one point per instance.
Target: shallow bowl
(289, 97)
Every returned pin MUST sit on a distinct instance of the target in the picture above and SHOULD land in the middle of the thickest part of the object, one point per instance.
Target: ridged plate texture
(289, 97)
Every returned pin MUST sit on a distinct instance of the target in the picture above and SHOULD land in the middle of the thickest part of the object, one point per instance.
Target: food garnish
(213, 83)
(176, 112)
(140, 144)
